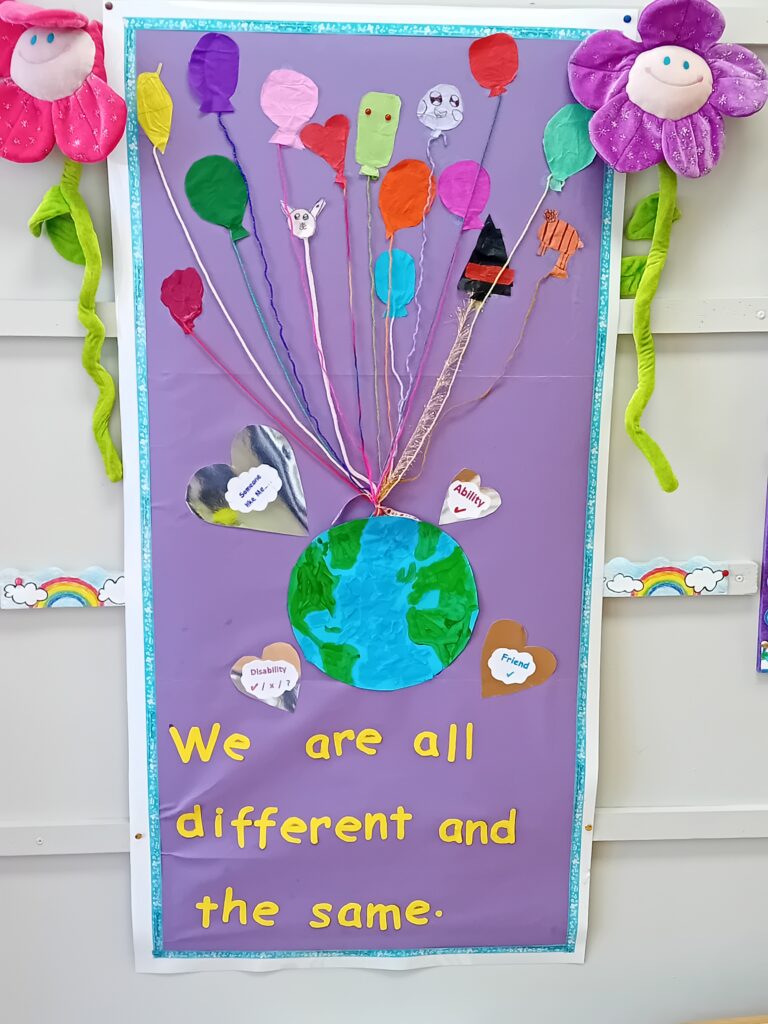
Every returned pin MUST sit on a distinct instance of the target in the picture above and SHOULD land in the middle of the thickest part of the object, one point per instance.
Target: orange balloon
(406, 195)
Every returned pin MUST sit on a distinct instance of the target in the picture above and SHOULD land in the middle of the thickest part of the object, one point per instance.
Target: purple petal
(625, 136)
(692, 23)
(740, 79)
(599, 66)
(692, 145)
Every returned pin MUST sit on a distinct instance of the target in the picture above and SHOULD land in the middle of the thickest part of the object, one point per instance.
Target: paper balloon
(289, 99)
(377, 119)
(464, 188)
(182, 293)
(406, 195)
(154, 108)
(329, 141)
(493, 61)
(403, 278)
(441, 109)
(212, 72)
(217, 192)
(567, 145)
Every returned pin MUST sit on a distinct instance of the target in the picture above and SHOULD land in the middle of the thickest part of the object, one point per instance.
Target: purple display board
(367, 856)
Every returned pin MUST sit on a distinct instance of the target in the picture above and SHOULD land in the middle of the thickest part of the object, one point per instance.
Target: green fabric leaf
(54, 213)
(632, 268)
(641, 224)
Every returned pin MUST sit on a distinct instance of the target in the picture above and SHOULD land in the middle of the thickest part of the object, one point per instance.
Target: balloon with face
(440, 109)
(377, 120)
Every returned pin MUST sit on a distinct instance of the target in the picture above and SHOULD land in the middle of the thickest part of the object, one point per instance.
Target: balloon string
(442, 389)
(283, 367)
(329, 392)
(398, 378)
(353, 325)
(388, 341)
(440, 304)
(417, 297)
(304, 401)
(287, 430)
(373, 320)
(295, 249)
(225, 311)
(492, 386)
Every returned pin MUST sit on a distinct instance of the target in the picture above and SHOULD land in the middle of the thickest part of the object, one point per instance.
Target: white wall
(678, 930)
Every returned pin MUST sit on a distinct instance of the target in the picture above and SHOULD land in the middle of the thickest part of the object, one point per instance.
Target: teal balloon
(567, 145)
(403, 281)
(217, 192)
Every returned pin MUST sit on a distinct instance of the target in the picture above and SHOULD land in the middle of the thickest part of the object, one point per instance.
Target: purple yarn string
(307, 410)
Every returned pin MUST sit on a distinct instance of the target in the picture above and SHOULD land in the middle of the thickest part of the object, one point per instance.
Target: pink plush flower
(664, 97)
(53, 86)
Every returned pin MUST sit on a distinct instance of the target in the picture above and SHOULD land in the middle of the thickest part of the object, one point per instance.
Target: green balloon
(567, 145)
(218, 193)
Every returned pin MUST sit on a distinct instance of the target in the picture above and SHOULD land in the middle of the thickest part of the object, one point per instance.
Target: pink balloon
(289, 99)
(464, 188)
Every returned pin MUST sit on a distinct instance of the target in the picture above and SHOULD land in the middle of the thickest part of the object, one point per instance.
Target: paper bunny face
(303, 223)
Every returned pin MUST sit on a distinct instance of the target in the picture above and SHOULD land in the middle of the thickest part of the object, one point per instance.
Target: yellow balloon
(154, 107)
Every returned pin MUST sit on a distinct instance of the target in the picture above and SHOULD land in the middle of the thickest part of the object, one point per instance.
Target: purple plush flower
(664, 97)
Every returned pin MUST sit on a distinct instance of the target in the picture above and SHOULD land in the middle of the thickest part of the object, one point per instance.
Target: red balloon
(329, 141)
(493, 61)
(182, 293)
(406, 195)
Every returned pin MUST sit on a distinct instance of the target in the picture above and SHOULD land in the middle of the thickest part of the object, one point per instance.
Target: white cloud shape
(623, 584)
(113, 591)
(254, 489)
(511, 667)
(705, 579)
(25, 595)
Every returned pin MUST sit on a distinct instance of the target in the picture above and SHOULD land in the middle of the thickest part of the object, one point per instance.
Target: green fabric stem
(71, 231)
(644, 344)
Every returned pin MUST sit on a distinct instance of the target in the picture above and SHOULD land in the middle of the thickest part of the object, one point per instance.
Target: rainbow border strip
(22, 590)
(693, 577)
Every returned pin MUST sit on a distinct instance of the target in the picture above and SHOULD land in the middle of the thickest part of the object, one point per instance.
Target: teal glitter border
(132, 25)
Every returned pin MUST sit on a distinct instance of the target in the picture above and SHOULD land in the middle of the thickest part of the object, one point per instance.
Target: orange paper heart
(505, 654)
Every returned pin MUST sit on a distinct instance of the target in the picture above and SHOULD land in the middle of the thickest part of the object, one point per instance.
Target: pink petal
(692, 145)
(26, 132)
(741, 81)
(89, 123)
(9, 35)
(599, 66)
(626, 137)
(29, 16)
(692, 23)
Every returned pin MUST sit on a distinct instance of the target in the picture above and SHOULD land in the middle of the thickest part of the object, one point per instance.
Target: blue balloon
(403, 281)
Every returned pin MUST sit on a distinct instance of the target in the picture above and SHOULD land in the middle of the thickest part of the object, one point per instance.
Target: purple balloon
(213, 69)
(464, 188)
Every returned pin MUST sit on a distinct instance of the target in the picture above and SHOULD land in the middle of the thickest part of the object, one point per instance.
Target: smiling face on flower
(670, 81)
(50, 64)
(663, 97)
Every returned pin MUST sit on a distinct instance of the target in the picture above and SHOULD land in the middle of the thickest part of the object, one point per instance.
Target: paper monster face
(377, 121)
(670, 82)
(50, 64)
(441, 108)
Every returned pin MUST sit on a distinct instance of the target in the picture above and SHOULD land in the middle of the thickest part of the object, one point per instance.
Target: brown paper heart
(268, 677)
(524, 666)
(466, 499)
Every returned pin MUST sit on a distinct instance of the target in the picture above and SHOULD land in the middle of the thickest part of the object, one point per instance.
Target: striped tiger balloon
(561, 237)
